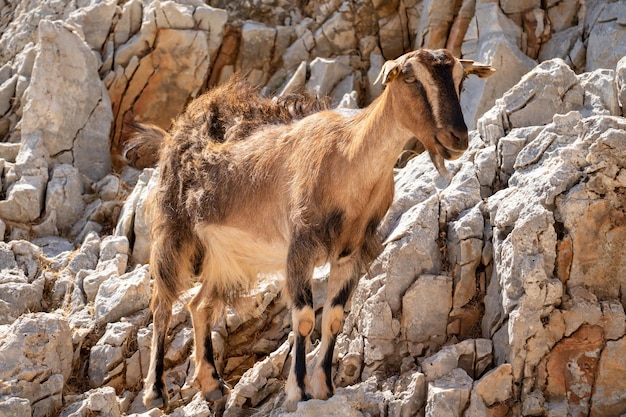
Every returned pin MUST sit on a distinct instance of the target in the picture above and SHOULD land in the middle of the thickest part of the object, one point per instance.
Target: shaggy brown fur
(228, 112)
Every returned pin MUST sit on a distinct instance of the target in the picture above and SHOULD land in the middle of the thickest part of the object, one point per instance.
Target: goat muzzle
(451, 143)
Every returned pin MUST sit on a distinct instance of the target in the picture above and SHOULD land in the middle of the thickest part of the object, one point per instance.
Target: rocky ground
(500, 290)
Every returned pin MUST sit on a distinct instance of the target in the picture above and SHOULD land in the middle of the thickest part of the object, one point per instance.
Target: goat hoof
(306, 396)
(214, 395)
(221, 391)
(156, 398)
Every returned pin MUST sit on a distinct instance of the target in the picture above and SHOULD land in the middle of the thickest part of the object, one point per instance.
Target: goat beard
(439, 163)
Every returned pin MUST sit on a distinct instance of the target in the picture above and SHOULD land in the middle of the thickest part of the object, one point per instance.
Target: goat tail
(142, 149)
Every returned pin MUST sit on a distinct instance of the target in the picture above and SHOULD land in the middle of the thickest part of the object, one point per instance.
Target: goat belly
(234, 257)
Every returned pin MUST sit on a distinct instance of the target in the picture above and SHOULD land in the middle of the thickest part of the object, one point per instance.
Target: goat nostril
(461, 138)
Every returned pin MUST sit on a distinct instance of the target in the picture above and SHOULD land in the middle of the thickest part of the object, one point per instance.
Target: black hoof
(156, 398)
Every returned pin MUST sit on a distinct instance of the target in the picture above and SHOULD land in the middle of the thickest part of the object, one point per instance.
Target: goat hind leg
(206, 376)
(155, 394)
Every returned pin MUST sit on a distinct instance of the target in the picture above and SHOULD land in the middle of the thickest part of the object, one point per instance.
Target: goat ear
(477, 68)
(388, 72)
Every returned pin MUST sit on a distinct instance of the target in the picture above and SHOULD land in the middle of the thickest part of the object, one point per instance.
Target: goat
(288, 196)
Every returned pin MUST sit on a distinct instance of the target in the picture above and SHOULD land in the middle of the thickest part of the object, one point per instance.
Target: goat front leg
(206, 376)
(155, 394)
(299, 273)
(342, 280)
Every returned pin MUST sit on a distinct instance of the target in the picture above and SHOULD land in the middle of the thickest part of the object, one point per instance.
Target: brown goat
(287, 196)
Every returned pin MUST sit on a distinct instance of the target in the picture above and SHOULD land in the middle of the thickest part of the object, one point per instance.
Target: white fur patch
(235, 257)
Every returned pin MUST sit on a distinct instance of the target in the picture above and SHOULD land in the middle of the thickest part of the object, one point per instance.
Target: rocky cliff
(500, 290)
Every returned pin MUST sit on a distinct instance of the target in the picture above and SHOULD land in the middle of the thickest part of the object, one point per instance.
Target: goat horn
(388, 72)
(477, 68)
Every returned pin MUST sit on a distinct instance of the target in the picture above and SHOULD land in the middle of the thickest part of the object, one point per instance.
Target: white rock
(498, 45)
(94, 21)
(65, 64)
(600, 95)
(325, 75)
(426, 306)
(620, 83)
(254, 53)
(99, 401)
(123, 296)
(174, 15)
(64, 196)
(15, 407)
(448, 396)
(24, 199)
(91, 283)
(37, 360)
(607, 29)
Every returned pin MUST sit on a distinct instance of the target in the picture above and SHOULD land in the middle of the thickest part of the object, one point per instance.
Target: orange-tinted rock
(571, 367)
(609, 396)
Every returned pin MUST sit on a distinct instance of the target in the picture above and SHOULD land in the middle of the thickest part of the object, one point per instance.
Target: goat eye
(409, 80)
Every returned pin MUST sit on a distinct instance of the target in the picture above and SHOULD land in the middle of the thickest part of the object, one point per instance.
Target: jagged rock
(448, 396)
(607, 20)
(435, 22)
(122, 296)
(99, 401)
(609, 389)
(296, 82)
(620, 84)
(20, 287)
(570, 368)
(125, 223)
(64, 195)
(473, 356)
(499, 44)
(15, 407)
(561, 44)
(326, 74)
(37, 360)
(490, 393)
(254, 55)
(107, 355)
(94, 22)
(83, 139)
(426, 306)
(600, 96)
(25, 182)
(337, 35)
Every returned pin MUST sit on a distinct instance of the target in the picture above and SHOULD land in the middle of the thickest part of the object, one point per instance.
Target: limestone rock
(64, 196)
(37, 351)
(608, 29)
(435, 22)
(254, 55)
(107, 355)
(122, 296)
(15, 407)
(325, 75)
(448, 396)
(490, 393)
(73, 87)
(620, 83)
(99, 401)
(570, 368)
(500, 46)
(609, 389)
(94, 21)
(426, 306)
